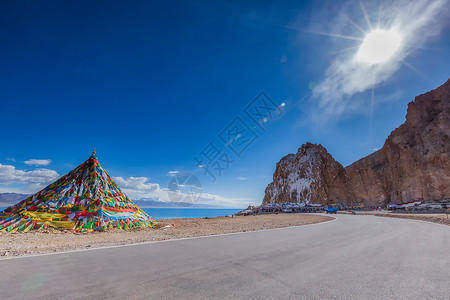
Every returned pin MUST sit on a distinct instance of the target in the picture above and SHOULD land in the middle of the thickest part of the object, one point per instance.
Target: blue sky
(151, 84)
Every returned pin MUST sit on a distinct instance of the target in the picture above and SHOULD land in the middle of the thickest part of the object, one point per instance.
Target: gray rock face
(414, 163)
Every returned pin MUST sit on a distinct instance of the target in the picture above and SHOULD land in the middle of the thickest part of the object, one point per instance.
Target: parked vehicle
(331, 210)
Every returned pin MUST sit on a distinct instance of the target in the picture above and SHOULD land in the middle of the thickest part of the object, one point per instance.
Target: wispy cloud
(242, 178)
(38, 162)
(11, 159)
(173, 172)
(70, 166)
(415, 21)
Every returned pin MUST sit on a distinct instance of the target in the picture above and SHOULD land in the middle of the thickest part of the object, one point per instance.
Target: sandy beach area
(55, 240)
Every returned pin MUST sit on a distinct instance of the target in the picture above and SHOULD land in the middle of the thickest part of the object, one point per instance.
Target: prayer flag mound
(84, 200)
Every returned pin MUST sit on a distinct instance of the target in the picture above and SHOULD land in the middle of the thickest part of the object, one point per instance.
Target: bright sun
(379, 46)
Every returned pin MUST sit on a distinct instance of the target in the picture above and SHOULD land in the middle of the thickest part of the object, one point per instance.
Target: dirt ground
(55, 240)
(435, 217)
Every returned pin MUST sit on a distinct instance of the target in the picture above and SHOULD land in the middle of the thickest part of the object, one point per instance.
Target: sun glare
(379, 46)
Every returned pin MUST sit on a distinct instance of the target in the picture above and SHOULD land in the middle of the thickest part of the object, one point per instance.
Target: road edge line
(168, 240)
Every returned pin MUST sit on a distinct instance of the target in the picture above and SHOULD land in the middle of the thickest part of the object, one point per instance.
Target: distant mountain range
(8, 199)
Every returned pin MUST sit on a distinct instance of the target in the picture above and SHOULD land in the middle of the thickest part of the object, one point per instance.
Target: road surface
(353, 257)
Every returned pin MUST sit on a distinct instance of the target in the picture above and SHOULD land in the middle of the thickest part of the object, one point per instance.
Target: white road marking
(162, 241)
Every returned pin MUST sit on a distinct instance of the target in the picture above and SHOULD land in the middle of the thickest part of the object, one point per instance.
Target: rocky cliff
(311, 175)
(413, 163)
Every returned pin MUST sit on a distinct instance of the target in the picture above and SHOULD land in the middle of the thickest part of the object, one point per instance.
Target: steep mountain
(311, 176)
(413, 163)
(415, 159)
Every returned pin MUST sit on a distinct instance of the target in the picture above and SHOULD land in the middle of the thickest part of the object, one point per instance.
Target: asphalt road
(354, 257)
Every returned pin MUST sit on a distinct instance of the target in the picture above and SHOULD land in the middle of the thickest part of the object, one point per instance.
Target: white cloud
(417, 22)
(222, 201)
(173, 172)
(12, 190)
(141, 188)
(136, 183)
(134, 187)
(35, 179)
(241, 178)
(38, 162)
(10, 159)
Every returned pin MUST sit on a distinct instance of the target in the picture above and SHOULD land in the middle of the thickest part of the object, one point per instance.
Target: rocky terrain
(414, 163)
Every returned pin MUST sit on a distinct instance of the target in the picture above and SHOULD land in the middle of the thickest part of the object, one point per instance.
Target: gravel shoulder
(55, 240)
(432, 217)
